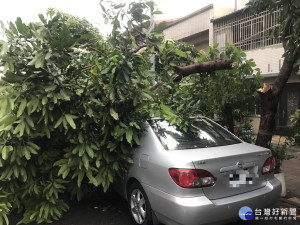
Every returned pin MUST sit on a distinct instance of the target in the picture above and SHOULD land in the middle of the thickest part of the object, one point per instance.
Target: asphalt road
(111, 209)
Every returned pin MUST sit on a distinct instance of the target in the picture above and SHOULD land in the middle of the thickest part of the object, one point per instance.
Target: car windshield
(202, 134)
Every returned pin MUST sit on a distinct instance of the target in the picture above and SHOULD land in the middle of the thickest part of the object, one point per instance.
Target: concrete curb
(290, 202)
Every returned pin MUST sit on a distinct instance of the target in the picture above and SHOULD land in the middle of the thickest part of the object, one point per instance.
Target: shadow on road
(107, 209)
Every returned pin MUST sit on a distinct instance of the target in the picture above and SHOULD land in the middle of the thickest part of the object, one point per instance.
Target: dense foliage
(208, 93)
(73, 104)
(295, 119)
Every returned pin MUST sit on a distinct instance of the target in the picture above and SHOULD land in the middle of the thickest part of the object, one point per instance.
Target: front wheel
(139, 205)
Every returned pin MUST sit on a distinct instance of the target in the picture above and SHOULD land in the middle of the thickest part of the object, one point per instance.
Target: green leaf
(59, 121)
(7, 120)
(42, 18)
(85, 161)
(13, 28)
(26, 153)
(29, 121)
(136, 139)
(22, 28)
(4, 153)
(5, 218)
(3, 109)
(65, 173)
(79, 91)
(80, 178)
(22, 128)
(40, 59)
(91, 178)
(146, 95)
(50, 88)
(98, 163)
(70, 121)
(48, 55)
(31, 144)
(114, 114)
(44, 100)
(160, 27)
(80, 138)
(128, 159)
(4, 48)
(64, 95)
(11, 103)
(32, 62)
(166, 110)
(180, 53)
(129, 133)
(62, 169)
(6, 68)
(89, 151)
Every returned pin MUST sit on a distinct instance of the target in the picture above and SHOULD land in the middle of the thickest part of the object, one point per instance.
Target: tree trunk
(270, 97)
(202, 67)
(267, 119)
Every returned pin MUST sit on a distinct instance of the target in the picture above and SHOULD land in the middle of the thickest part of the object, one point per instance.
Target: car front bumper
(171, 209)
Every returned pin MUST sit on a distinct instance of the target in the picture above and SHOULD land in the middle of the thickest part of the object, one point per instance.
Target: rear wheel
(139, 205)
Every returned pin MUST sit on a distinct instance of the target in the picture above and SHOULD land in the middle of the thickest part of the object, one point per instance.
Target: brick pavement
(291, 170)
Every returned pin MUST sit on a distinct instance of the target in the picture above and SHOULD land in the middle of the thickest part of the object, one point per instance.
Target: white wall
(220, 11)
(190, 26)
(196, 23)
(239, 4)
(267, 58)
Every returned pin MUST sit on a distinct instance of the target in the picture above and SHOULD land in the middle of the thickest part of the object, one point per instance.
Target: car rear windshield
(202, 134)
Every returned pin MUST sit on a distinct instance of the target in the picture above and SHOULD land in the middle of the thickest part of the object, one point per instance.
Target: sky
(28, 10)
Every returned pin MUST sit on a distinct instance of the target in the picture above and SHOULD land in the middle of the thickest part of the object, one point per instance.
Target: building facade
(247, 31)
(251, 32)
(196, 27)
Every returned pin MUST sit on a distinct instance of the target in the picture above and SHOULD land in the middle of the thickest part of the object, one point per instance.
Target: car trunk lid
(236, 168)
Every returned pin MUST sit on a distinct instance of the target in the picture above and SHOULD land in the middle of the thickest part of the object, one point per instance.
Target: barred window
(245, 30)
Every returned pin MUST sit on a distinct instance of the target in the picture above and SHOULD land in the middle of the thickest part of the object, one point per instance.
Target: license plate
(240, 178)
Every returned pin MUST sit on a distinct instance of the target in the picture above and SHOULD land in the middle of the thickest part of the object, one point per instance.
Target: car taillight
(191, 178)
(268, 166)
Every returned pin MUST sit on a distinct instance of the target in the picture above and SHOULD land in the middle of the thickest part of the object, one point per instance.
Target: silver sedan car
(202, 176)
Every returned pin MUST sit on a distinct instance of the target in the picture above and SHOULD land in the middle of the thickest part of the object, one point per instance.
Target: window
(202, 134)
(247, 31)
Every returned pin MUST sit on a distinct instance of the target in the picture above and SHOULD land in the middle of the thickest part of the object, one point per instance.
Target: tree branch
(157, 85)
(139, 48)
(87, 68)
(203, 67)
(97, 50)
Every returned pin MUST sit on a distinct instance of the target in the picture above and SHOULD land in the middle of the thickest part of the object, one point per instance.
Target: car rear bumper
(171, 209)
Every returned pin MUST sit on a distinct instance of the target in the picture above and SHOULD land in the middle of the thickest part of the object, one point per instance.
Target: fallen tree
(73, 105)
(209, 87)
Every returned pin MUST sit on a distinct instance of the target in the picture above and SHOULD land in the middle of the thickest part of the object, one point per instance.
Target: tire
(139, 205)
